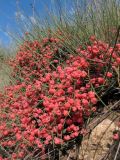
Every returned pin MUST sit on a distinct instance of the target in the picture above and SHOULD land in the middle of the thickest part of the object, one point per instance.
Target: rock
(96, 146)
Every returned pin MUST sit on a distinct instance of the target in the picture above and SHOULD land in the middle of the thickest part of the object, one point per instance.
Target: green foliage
(88, 17)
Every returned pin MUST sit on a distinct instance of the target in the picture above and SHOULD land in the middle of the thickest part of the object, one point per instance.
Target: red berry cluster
(51, 100)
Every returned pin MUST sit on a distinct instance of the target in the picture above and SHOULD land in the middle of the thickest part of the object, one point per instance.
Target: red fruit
(65, 112)
(18, 136)
(69, 121)
(116, 136)
(109, 75)
(93, 80)
(118, 46)
(57, 140)
(52, 91)
(92, 38)
(55, 61)
(95, 50)
(91, 94)
(14, 155)
(26, 33)
(74, 109)
(58, 113)
(74, 134)
(67, 138)
(1, 158)
(21, 154)
(10, 143)
(101, 80)
(71, 101)
(93, 100)
(70, 89)
(89, 48)
(93, 109)
(31, 138)
(60, 127)
(40, 145)
(67, 105)
(118, 61)
(83, 74)
(85, 102)
(5, 133)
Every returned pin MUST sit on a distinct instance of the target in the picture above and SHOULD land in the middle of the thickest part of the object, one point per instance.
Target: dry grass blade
(117, 152)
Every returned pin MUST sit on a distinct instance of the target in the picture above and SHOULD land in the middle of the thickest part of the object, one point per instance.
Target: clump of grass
(89, 17)
(99, 18)
(5, 69)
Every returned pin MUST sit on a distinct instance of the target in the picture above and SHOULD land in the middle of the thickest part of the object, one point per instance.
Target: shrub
(54, 94)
